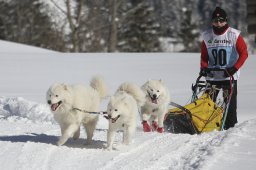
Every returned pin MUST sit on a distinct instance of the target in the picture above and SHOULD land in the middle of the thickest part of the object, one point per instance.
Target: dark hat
(219, 13)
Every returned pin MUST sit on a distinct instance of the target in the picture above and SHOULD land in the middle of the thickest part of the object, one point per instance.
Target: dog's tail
(99, 84)
(135, 91)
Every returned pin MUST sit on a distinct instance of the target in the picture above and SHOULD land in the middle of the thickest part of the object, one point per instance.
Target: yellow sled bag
(206, 116)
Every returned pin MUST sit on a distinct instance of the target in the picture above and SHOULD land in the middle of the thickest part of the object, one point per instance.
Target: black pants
(231, 118)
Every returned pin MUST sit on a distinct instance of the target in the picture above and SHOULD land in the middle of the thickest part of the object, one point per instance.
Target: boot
(146, 127)
(154, 125)
(160, 130)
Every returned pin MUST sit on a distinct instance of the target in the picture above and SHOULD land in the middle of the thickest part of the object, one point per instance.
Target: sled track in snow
(148, 151)
(182, 152)
(37, 156)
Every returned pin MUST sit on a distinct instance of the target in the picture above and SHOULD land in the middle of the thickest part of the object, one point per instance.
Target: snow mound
(17, 108)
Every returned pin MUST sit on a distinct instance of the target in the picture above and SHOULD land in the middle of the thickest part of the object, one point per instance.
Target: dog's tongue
(54, 106)
(154, 101)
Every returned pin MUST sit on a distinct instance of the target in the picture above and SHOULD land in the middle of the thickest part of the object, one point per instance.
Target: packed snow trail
(148, 151)
(28, 141)
(181, 151)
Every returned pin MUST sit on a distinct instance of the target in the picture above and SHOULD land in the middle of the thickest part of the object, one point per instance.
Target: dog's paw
(63, 139)
(88, 142)
(160, 130)
(146, 127)
(60, 142)
(75, 137)
(109, 148)
(154, 126)
(126, 143)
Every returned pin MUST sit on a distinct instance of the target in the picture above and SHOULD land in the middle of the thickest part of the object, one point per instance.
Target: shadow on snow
(49, 139)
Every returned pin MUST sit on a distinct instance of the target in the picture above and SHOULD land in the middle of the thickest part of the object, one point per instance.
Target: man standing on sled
(223, 47)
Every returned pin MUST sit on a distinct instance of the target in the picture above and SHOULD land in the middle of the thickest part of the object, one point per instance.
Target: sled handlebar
(210, 73)
(215, 69)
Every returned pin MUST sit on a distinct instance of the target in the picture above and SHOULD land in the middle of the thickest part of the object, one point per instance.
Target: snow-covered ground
(28, 131)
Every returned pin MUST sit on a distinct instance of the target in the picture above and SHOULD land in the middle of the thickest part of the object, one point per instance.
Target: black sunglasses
(220, 20)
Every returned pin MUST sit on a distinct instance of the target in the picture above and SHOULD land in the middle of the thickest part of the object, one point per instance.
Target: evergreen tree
(23, 22)
(189, 33)
(137, 27)
(140, 31)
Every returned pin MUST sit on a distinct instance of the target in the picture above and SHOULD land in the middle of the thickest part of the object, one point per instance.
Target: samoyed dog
(71, 104)
(123, 109)
(156, 105)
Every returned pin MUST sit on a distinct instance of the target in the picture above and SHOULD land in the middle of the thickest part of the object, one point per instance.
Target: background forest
(114, 25)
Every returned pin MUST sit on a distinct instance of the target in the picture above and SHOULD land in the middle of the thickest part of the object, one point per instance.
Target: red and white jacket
(223, 51)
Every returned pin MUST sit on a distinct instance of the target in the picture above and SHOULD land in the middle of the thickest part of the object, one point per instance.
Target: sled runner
(204, 113)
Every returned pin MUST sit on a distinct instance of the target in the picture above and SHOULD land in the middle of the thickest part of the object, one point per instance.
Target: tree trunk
(74, 26)
(113, 26)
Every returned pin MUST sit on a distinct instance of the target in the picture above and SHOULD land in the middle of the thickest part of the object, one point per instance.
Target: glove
(203, 72)
(230, 71)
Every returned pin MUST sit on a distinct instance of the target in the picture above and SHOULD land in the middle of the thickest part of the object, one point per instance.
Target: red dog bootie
(154, 125)
(160, 130)
(146, 127)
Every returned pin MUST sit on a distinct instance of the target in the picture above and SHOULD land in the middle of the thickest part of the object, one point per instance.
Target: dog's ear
(54, 85)
(123, 98)
(145, 85)
(65, 87)
(124, 101)
(112, 100)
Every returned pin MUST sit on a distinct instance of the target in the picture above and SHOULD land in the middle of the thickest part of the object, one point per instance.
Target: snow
(29, 133)
(11, 47)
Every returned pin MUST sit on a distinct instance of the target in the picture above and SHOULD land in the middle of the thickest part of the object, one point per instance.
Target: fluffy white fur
(69, 104)
(157, 101)
(122, 110)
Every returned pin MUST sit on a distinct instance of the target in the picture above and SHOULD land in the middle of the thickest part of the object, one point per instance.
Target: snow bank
(17, 108)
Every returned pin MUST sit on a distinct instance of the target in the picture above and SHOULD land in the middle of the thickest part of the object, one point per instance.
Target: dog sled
(205, 112)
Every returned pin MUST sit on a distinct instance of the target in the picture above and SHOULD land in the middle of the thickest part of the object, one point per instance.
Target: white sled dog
(122, 111)
(156, 105)
(70, 105)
